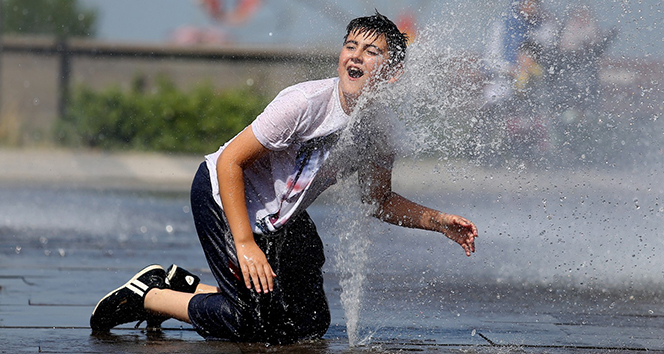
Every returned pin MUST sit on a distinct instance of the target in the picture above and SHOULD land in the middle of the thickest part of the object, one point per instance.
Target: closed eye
(351, 45)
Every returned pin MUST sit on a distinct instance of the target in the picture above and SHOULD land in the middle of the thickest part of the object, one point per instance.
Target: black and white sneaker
(125, 304)
(181, 280)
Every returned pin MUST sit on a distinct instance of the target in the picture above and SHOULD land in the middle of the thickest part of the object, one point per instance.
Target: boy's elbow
(223, 164)
(378, 206)
(227, 165)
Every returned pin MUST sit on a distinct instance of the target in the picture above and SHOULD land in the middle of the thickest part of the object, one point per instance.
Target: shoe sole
(129, 285)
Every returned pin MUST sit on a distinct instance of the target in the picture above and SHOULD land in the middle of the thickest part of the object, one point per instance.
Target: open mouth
(355, 73)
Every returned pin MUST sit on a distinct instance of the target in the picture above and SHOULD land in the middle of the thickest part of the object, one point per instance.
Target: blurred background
(540, 120)
(156, 75)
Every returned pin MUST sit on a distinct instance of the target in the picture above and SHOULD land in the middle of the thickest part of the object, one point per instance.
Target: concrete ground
(42, 310)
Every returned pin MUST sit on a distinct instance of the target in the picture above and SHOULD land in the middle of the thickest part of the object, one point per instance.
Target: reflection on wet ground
(554, 272)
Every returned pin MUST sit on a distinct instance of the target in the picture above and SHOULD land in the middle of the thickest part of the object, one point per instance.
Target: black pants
(296, 309)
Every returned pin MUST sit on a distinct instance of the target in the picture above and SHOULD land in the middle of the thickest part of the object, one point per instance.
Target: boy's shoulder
(314, 88)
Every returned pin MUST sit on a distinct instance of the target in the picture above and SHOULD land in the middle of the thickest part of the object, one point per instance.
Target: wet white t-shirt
(302, 127)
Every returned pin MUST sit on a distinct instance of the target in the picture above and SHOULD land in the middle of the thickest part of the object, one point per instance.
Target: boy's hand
(255, 268)
(459, 230)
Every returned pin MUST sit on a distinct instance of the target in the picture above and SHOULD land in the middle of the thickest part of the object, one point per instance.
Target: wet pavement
(75, 225)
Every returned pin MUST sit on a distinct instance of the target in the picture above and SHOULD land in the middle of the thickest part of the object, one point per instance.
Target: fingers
(259, 278)
(244, 266)
(469, 233)
(473, 230)
(260, 275)
(470, 245)
(255, 268)
(467, 249)
(470, 240)
(466, 233)
(255, 277)
(268, 283)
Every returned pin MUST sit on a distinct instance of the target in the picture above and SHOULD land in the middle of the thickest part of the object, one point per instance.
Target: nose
(356, 56)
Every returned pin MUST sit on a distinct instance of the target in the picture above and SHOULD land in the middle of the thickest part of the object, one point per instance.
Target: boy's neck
(348, 102)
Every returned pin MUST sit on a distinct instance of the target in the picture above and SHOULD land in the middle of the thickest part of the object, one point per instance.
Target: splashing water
(434, 96)
(426, 118)
(351, 258)
(574, 206)
(353, 227)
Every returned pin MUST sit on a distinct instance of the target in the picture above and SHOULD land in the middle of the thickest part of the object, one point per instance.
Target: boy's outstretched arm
(376, 184)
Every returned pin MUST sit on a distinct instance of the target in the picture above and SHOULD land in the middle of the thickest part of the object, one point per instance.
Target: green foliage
(166, 119)
(62, 18)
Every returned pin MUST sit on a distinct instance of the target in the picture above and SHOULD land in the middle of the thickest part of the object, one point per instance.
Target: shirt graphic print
(310, 158)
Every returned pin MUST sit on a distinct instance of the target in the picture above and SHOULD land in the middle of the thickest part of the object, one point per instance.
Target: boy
(249, 200)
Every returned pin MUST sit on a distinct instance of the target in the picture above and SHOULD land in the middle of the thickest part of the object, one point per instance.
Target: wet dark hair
(378, 25)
